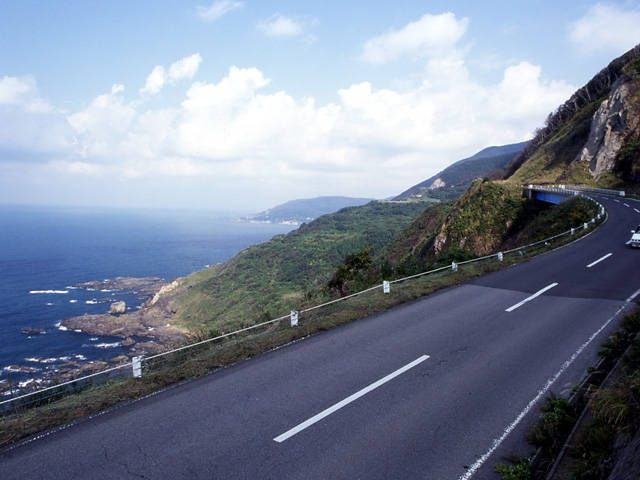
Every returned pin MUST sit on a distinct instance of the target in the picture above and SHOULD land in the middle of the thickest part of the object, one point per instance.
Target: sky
(244, 104)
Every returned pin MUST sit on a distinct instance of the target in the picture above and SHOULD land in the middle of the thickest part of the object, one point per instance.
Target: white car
(635, 238)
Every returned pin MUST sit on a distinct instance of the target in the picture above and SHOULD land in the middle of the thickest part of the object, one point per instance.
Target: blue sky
(243, 104)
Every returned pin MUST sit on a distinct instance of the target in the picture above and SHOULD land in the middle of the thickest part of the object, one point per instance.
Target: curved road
(439, 388)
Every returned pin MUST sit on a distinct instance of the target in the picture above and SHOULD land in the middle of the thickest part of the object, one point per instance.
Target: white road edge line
(599, 260)
(528, 299)
(337, 406)
(505, 433)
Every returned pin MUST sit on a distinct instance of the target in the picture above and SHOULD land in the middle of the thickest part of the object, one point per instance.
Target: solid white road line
(348, 400)
(541, 393)
(599, 260)
(528, 299)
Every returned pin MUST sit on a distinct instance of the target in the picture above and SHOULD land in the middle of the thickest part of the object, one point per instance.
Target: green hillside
(454, 180)
(267, 280)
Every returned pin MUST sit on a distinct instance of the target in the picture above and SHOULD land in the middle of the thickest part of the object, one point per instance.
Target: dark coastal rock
(119, 360)
(32, 331)
(127, 342)
(150, 323)
(143, 286)
(21, 369)
(118, 308)
(148, 348)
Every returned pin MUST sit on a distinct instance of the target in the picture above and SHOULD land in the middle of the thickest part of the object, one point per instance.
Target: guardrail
(579, 188)
(142, 366)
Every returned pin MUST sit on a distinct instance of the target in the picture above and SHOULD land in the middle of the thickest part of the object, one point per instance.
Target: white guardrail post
(386, 286)
(136, 366)
(454, 266)
(500, 256)
(294, 318)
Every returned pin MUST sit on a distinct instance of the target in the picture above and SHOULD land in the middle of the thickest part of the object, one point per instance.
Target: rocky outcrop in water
(117, 308)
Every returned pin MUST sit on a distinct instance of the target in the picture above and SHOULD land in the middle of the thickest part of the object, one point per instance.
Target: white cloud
(429, 36)
(606, 28)
(218, 9)
(281, 26)
(31, 128)
(14, 90)
(246, 137)
(183, 69)
(155, 81)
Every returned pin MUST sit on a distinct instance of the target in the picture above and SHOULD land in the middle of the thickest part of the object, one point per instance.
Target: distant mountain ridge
(458, 176)
(295, 212)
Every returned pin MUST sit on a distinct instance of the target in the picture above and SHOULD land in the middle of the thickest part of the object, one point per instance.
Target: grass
(554, 425)
(518, 469)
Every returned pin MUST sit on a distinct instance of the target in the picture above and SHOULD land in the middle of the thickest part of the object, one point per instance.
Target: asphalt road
(429, 390)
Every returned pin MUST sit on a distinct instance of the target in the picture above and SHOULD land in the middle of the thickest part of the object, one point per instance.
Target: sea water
(45, 251)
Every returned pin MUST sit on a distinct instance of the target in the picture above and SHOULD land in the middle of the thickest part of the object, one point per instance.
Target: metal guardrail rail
(137, 365)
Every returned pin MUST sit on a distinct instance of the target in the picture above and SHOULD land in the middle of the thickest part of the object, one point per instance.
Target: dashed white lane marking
(599, 260)
(528, 299)
(626, 204)
(541, 393)
(636, 210)
(335, 407)
(617, 201)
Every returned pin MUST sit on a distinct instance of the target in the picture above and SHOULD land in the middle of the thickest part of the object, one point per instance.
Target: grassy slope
(489, 217)
(267, 280)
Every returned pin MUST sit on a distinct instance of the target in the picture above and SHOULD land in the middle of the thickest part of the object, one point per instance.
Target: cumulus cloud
(155, 81)
(281, 26)
(428, 36)
(218, 9)
(183, 69)
(31, 128)
(606, 28)
(240, 130)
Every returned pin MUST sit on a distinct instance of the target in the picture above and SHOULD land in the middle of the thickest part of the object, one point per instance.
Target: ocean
(45, 251)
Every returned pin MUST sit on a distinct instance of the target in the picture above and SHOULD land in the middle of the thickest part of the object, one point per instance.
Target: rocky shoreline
(145, 331)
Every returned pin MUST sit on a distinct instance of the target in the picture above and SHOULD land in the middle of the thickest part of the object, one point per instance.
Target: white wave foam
(62, 328)
(91, 302)
(73, 301)
(49, 304)
(105, 290)
(25, 383)
(94, 339)
(49, 292)
(107, 345)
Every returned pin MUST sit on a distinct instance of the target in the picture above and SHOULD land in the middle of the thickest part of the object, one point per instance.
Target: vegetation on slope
(267, 280)
(306, 209)
(489, 217)
(456, 178)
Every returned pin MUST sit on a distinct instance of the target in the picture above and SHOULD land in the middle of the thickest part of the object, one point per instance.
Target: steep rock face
(594, 137)
(614, 123)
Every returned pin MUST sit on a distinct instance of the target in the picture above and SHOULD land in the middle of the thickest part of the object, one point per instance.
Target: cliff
(594, 137)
